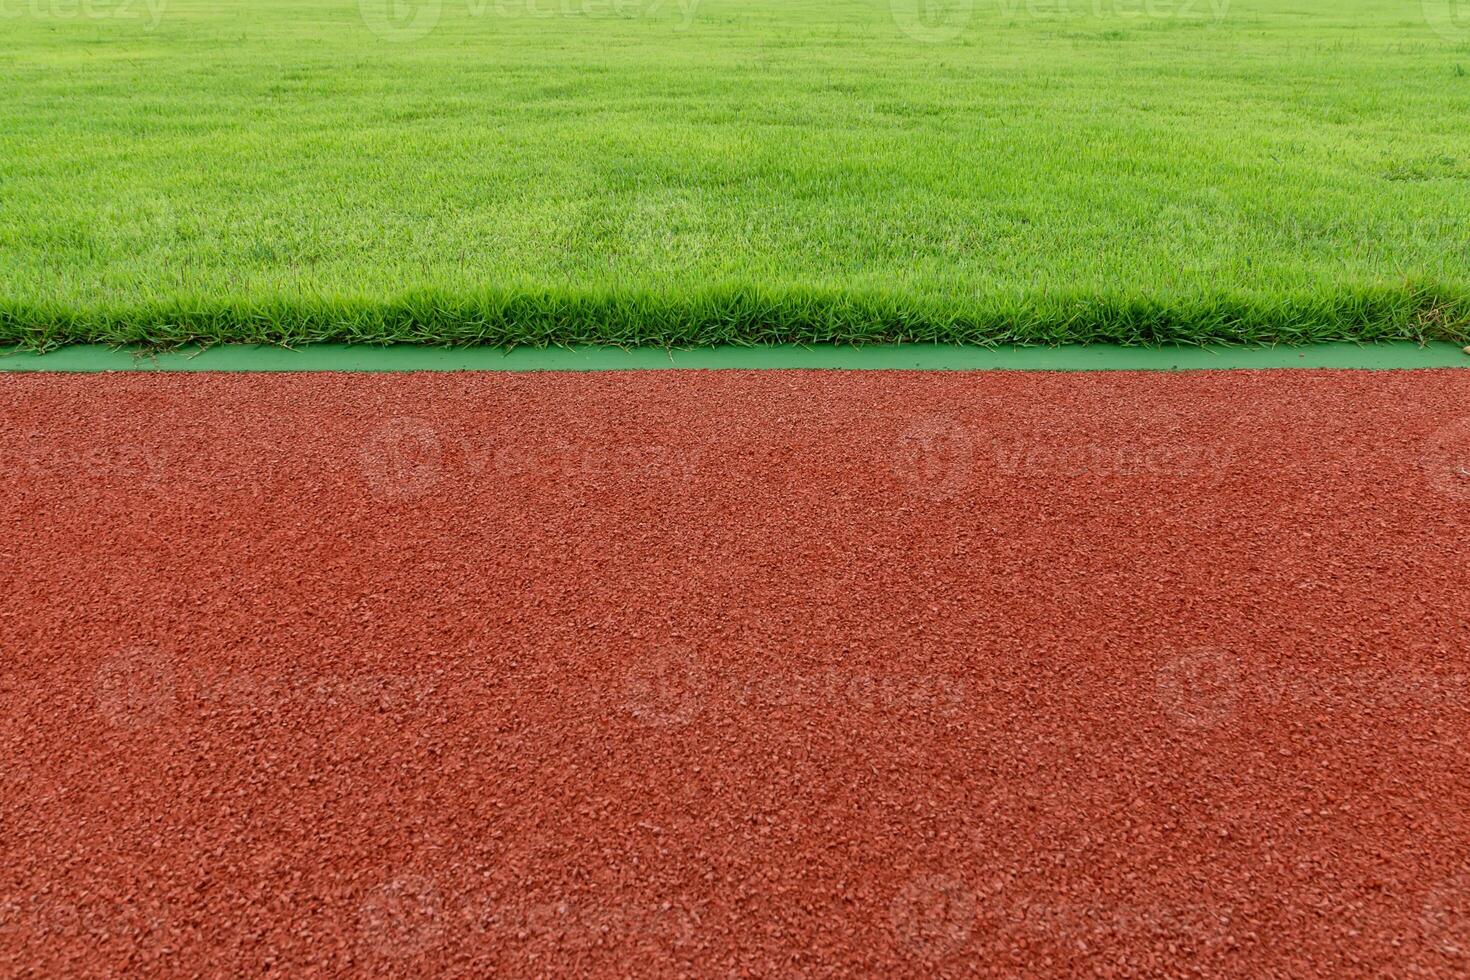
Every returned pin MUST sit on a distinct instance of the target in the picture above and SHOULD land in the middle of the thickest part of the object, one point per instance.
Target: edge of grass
(746, 317)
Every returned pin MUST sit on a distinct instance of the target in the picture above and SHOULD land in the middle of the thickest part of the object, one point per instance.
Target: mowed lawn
(687, 171)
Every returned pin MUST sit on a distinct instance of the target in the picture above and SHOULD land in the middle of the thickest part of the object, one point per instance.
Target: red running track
(736, 674)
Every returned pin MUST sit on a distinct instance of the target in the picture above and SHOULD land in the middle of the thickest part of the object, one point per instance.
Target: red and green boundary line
(911, 357)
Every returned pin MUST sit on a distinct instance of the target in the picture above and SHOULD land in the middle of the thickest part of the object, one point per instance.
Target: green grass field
(698, 171)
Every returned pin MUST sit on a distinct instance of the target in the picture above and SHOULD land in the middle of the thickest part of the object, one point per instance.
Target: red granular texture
(758, 674)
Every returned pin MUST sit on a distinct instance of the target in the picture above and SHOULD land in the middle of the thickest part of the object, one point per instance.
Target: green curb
(907, 357)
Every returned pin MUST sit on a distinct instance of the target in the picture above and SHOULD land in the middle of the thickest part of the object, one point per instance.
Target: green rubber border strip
(909, 357)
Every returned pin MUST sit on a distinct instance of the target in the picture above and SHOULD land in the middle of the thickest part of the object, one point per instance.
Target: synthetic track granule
(736, 674)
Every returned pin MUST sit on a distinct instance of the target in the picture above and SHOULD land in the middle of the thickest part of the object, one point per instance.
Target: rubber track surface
(736, 674)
